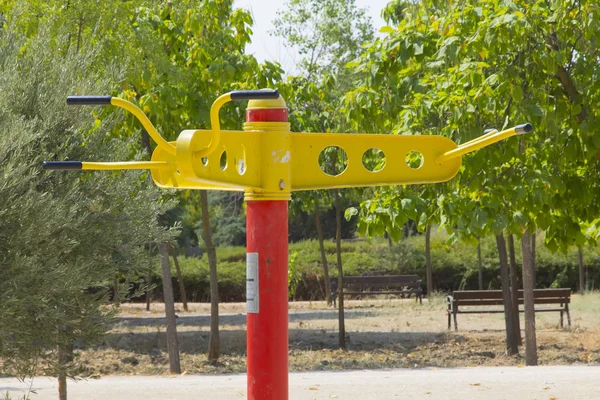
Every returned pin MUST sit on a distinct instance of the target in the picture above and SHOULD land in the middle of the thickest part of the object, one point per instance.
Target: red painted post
(267, 317)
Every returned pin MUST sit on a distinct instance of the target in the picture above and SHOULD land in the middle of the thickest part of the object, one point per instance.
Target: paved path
(490, 383)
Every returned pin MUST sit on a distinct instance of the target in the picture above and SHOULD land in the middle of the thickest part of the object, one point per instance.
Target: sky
(266, 47)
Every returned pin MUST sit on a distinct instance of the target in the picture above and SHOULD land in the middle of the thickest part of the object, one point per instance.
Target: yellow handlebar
(489, 138)
(160, 141)
(222, 100)
(139, 114)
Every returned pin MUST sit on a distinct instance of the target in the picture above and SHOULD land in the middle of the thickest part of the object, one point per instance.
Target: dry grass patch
(382, 333)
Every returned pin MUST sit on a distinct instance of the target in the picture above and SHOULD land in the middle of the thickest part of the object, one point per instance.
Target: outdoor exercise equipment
(268, 162)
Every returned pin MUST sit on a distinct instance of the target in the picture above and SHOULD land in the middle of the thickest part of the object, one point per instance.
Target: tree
(172, 342)
(179, 277)
(327, 34)
(191, 55)
(528, 285)
(458, 68)
(63, 236)
(214, 346)
(310, 202)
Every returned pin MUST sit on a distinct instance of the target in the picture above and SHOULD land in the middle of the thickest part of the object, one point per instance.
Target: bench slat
(380, 285)
(386, 292)
(494, 302)
(500, 310)
(389, 279)
(497, 294)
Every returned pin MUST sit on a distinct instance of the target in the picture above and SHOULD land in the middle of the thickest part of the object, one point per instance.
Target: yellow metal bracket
(268, 162)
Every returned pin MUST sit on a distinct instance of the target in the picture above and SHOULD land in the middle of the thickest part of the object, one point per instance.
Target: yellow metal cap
(266, 103)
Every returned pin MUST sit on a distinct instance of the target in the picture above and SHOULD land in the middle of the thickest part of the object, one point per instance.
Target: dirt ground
(389, 333)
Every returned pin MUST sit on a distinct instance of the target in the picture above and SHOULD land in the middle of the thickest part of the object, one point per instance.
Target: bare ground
(381, 334)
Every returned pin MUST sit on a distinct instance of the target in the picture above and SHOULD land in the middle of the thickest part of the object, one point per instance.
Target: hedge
(454, 266)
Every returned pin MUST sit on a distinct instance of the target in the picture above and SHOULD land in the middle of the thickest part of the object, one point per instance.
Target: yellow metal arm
(216, 107)
(487, 139)
(117, 102)
(139, 114)
(268, 162)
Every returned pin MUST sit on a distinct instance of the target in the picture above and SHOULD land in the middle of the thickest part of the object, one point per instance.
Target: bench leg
(449, 319)
(455, 324)
(568, 315)
(561, 319)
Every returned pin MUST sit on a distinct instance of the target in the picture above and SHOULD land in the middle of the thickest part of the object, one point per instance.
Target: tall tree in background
(214, 343)
(493, 65)
(327, 34)
(62, 233)
(175, 58)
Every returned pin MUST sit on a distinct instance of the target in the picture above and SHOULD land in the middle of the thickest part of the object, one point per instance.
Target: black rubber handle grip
(62, 165)
(254, 94)
(89, 100)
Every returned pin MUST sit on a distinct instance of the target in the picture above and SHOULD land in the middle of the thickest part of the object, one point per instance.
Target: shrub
(454, 266)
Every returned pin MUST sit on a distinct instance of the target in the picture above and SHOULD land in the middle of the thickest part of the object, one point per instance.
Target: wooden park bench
(557, 300)
(384, 284)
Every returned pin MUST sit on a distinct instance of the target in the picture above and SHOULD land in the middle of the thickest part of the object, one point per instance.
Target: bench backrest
(494, 297)
(382, 281)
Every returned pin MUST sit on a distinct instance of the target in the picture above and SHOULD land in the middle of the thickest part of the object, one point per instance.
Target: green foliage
(326, 33)
(64, 237)
(453, 266)
(293, 274)
(456, 68)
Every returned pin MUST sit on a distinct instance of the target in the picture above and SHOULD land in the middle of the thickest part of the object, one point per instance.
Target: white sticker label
(252, 283)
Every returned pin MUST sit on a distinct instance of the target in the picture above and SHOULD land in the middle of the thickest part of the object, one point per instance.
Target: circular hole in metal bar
(333, 160)
(205, 161)
(373, 160)
(223, 160)
(414, 159)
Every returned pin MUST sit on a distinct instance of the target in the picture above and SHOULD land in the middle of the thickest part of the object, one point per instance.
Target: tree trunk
(179, 278)
(480, 266)
(214, 343)
(428, 272)
(514, 288)
(172, 344)
(149, 280)
(528, 286)
(323, 255)
(146, 141)
(116, 294)
(511, 343)
(65, 356)
(338, 243)
(533, 263)
(581, 271)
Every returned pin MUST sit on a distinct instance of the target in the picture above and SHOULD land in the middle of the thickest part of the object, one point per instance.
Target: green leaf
(350, 212)
(535, 110)
(520, 218)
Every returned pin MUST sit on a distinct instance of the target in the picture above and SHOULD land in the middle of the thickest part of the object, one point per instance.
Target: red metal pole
(267, 274)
